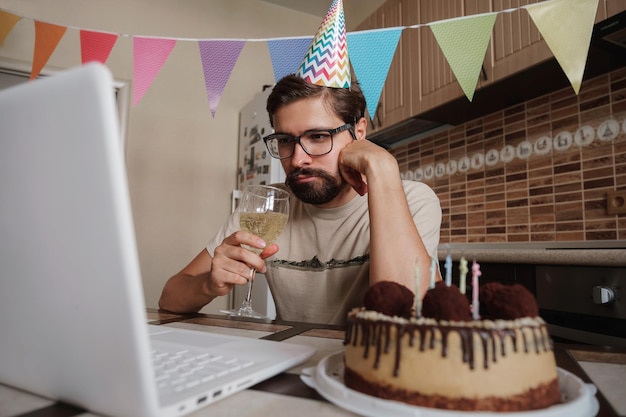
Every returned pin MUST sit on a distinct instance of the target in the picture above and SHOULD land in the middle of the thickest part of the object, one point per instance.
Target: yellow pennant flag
(464, 42)
(7, 22)
(566, 27)
(47, 37)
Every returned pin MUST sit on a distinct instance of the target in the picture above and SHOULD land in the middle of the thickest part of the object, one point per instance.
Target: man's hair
(347, 103)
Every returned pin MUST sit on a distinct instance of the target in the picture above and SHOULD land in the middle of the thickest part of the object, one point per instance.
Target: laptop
(73, 324)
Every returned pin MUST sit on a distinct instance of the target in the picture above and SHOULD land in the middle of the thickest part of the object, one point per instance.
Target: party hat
(326, 63)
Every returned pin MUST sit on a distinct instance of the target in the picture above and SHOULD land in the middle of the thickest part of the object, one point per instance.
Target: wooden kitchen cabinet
(420, 77)
(516, 43)
(393, 106)
(432, 78)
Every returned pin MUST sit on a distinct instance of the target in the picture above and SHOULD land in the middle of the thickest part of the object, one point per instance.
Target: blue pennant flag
(286, 54)
(371, 53)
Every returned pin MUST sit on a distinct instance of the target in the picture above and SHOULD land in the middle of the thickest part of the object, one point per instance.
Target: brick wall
(537, 171)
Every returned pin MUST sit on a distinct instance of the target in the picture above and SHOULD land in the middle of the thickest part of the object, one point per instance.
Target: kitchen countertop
(606, 367)
(600, 253)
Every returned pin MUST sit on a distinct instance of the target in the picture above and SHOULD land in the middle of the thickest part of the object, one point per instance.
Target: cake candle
(463, 273)
(448, 270)
(475, 303)
(433, 266)
(418, 298)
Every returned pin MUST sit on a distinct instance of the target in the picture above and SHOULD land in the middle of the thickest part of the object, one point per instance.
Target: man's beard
(312, 192)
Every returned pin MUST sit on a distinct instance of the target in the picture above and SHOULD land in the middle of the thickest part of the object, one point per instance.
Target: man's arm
(188, 290)
(395, 243)
(207, 277)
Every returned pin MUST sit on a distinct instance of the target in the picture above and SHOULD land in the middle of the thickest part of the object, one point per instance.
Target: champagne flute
(263, 211)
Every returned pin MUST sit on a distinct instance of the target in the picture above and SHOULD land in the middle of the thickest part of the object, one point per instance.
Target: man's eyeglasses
(314, 142)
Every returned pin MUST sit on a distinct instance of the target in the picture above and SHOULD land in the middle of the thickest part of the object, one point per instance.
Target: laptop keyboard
(181, 369)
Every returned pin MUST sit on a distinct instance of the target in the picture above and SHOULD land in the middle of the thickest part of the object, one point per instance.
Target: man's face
(313, 179)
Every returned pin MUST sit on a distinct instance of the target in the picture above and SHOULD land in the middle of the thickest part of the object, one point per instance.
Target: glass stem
(248, 300)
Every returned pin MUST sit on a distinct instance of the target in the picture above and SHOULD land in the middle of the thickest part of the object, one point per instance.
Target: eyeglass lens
(314, 143)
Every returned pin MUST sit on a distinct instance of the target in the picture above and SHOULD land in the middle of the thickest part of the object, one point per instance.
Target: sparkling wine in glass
(263, 211)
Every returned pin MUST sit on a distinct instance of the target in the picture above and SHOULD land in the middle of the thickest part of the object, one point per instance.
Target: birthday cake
(445, 358)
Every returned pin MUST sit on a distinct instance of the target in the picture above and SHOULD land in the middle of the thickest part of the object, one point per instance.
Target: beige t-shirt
(321, 270)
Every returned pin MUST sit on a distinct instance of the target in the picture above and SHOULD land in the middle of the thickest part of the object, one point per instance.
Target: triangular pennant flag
(149, 55)
(47, 37)
(286, 55)
(7, 22)
(464, 42)
(96, 46)
(566, 27)
(218, 60)
(371, 53)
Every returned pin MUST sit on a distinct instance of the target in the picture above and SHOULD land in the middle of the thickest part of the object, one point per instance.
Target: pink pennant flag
(218, 60)
(96, 46)
(149, 55)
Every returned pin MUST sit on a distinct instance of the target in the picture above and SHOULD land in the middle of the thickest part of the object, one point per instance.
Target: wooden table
(284, 393)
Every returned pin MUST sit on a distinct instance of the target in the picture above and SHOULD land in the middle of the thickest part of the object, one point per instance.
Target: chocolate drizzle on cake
(376, 335)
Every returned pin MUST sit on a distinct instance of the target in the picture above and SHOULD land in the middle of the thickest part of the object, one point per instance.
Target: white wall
(181, 162)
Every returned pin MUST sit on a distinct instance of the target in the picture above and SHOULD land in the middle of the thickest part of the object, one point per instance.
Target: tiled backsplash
(535, 172)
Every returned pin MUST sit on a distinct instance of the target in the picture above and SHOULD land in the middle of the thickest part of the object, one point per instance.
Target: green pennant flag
(464, 42)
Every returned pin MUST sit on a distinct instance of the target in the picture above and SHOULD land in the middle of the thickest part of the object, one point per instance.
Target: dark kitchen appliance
(583, 304)
(611, 33)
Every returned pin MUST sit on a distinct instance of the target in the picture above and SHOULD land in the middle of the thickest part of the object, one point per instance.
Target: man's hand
(206, 277)
(359, 158)
(232, 262)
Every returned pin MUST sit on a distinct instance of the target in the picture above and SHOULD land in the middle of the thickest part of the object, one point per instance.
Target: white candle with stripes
(475, 303)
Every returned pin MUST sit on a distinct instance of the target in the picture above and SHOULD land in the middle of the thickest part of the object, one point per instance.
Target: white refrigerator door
(256, 166)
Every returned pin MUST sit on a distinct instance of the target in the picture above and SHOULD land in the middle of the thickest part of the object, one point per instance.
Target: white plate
(579, 399)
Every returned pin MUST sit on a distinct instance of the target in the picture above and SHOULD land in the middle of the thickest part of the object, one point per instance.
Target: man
(353, 221)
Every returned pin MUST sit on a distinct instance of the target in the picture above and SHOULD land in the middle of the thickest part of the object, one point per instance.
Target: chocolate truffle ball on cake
(389, 298)
(444, 358)
(446, 303)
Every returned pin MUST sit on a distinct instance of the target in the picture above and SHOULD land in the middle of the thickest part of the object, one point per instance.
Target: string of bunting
(565, 25)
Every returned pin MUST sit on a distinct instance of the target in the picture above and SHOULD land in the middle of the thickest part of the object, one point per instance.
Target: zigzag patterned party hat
(326, 63)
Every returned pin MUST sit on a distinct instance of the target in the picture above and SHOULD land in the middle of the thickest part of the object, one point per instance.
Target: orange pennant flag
(47, 37)
(7, 22)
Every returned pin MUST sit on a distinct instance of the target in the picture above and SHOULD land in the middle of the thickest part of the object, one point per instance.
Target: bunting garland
(371, 68)
(569, 40)
(149, 55)
(462, 40)
(96, 46)
(7, 22)
(286, 54)
(218, 60)
(47, 37)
